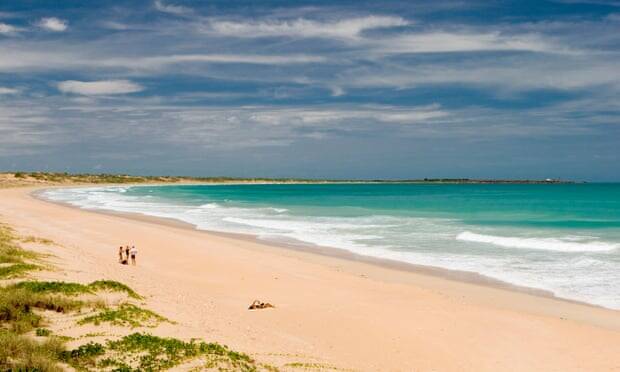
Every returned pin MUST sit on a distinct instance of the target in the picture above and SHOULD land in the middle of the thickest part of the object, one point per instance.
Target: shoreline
(463, 276)
(329, 311)
(172, 180)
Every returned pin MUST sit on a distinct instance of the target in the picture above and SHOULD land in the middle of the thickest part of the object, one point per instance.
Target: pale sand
(333, 311)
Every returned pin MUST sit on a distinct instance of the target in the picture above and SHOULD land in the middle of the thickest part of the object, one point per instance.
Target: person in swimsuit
(127, 253)
(120, 254)
(133, 252)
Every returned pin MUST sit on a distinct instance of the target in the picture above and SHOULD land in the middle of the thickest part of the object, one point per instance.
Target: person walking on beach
(127, 253)
(133, 253)
(120, 254)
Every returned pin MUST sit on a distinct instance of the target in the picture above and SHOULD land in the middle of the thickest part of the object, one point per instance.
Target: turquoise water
(564, 238)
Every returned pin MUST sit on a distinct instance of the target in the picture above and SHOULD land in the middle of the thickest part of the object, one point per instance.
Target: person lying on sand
(259, 305)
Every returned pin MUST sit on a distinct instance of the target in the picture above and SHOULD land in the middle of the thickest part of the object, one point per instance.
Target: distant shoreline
(12, 179)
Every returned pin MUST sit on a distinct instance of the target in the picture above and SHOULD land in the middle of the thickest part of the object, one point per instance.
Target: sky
(313, 89)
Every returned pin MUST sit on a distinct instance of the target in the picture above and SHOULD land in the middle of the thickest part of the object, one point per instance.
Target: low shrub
(65, 288)
(43, 332)
(21, 353)
(126, 315)
(114, 286)
(72, 289)
(17, 305)
(16, 270)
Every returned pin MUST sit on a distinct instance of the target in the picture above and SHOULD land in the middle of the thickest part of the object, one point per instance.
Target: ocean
(562, 238)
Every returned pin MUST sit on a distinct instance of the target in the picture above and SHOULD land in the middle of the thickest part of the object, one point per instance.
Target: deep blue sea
(564, 238)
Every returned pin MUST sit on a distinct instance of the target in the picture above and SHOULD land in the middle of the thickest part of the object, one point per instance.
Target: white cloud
(113, 25)
(344, 29)
(329, 116)
(172, 9)
(53, 24)
(8, 29)
(421, 42)
(99, 87)
(23, 127)
(342, 69)
(408, 117)
(508, 74)
(19, 58)
(337, 91)
(438, 42)
(4, 90)
(156, 62)
(53, 118)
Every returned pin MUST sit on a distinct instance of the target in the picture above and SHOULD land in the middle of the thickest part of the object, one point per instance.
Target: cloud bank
(6, 29)
(350, 28)
(5, 90)
(171, 8)
(53, 24)
(104, 87)
(311, 83)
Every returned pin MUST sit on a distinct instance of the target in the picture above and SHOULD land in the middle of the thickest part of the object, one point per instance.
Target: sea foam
(547, 244)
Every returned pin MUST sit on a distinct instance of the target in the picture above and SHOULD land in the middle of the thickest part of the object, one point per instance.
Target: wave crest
(546, 244)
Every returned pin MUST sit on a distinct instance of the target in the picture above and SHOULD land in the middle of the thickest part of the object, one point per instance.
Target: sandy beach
(334, 312)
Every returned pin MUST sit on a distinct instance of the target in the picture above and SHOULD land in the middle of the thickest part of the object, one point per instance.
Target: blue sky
(336, 89)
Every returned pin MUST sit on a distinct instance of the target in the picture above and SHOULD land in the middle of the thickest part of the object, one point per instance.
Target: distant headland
(12, 179)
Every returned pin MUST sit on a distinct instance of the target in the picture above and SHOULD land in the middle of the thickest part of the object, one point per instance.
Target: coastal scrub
(145, 352)
(126, 315)
(72, 289)
(23, 305)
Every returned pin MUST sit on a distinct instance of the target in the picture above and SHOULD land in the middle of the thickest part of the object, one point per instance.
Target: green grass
(84, 357)
(68, 289)
(16, 270)
(42, 332)
(34, 239)
(21, 353)
(73, 289)
(17, 308)
(91, 178)
(14, 261)
(159, 353)
(10, 251)
(114, 286)
(126, 315)
(144, 352)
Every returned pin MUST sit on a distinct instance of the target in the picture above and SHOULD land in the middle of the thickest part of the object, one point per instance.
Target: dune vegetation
(28, 344)
(18, 179)
(21, 179)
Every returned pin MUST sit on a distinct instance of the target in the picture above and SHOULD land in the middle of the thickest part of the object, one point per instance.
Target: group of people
(124, 253)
